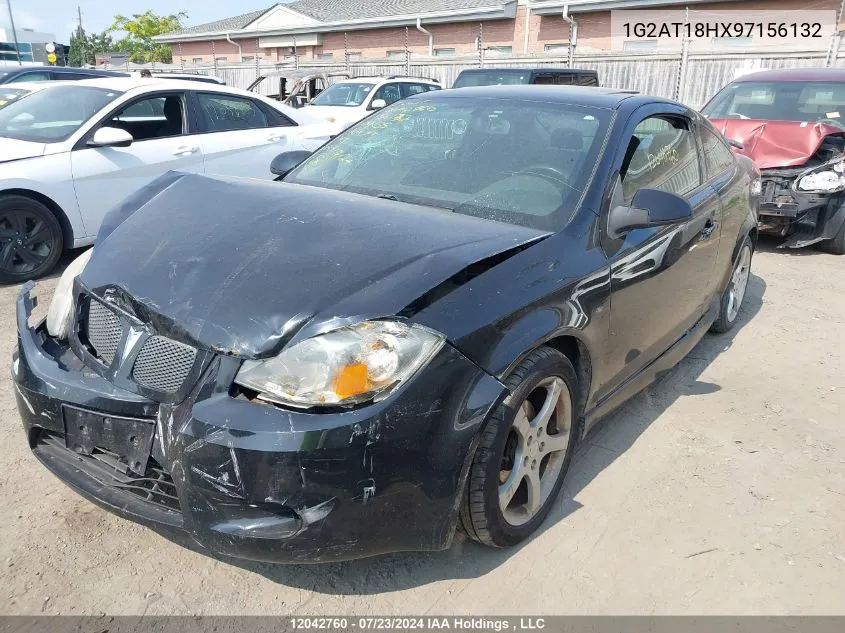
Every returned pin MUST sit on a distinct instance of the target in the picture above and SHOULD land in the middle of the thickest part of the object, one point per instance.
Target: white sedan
(72, 151)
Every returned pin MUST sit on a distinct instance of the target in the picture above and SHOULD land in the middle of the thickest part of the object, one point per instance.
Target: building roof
(340, 10)
(317, 13)
(235, 23)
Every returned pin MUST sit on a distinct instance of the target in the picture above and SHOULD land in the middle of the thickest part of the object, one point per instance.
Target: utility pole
(14, 32)
(80, 35)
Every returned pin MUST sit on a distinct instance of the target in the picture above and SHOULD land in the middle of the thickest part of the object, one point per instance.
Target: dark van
(512, 76)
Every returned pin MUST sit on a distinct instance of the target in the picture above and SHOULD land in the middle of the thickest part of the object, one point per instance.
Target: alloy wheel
(26, 241)
(739, 283)
(535, 451)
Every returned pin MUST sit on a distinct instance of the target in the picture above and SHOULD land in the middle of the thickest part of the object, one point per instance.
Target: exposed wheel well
(67, 230)
(579, 356)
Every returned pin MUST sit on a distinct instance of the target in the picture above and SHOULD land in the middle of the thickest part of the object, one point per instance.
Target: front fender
(49, 177)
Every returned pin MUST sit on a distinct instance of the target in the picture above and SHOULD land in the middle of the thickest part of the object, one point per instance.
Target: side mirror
(649, 208)
(111, 137)
(734, 143)
(378, 104)
(285, 163)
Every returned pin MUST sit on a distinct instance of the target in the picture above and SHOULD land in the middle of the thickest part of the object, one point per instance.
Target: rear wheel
(30, 239)
(524, 452)
(735, 292)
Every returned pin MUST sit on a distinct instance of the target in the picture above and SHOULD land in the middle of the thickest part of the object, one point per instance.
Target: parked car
(511, 76)
(413, 330)
(10, 93)
(296, 88)
(792, 123)
(350, 100)
(73, 150)
(14, 74)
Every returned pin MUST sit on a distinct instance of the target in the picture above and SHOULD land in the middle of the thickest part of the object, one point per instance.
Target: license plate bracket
(130, 438)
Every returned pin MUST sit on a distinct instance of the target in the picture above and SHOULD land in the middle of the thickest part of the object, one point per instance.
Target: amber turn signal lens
(352, 380)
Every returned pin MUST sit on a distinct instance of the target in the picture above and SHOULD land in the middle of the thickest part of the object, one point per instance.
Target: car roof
(597, 97)
(32, 85)
(126, 84)
(378, 79)
(795, 74)
(538, 69)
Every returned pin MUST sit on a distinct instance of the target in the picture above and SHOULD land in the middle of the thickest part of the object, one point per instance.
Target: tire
(835, 245)
(503, 443)
(31, 239)
(730, 303)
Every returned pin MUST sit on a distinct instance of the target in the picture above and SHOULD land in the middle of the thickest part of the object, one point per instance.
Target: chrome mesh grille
(163, 364)
(103, 331)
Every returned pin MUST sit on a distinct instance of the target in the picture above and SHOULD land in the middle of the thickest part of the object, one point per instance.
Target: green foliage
(140, 30)
(83, 47)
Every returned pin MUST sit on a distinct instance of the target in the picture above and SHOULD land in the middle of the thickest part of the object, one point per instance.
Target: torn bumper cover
(801, 218)
(251, 480)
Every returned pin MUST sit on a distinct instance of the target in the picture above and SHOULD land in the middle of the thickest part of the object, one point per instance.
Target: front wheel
(524, 452)
(30, 239)
(835, 245)
(734, 294)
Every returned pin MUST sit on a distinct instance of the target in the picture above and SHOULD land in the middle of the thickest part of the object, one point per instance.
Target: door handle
(275, 138)
(184, 150)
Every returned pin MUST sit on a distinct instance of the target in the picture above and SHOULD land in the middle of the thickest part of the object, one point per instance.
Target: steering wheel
(737, 115)
(552, 174)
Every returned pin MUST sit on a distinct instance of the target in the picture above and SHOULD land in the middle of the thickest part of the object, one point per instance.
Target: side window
(717, 156)
(224, 113)
(566, 79)
(544, 79)
(31, 76)
(661, 155)
(415, 89)
(160, 116)
(389, 92)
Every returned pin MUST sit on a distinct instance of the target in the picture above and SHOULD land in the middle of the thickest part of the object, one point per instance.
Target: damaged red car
(792, 124)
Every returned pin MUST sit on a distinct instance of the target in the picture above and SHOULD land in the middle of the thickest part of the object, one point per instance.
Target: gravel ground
(720, 489)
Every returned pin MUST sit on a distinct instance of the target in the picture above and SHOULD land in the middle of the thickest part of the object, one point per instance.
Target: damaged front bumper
(251, 480)
(801, 218)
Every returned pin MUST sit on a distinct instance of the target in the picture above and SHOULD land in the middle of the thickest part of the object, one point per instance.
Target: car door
(661, 278)
(164, 140)
(732, 183)
(241, 136)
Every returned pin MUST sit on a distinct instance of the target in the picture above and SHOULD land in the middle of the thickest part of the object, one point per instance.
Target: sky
(60, 19)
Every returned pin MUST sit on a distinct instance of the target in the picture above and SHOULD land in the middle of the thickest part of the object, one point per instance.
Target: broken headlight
(827, 178)
(350, 365)
(60, 314)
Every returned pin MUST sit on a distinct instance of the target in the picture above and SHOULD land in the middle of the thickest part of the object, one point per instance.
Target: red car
(792, 124)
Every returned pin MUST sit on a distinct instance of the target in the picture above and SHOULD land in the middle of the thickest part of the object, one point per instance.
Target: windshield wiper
(387, 196)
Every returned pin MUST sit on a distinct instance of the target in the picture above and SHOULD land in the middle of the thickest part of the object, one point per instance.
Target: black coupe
(410, 333)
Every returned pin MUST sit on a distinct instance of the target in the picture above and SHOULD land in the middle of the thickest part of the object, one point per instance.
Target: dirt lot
(719, 490)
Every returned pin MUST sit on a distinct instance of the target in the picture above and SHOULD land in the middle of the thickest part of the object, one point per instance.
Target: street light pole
(14, 32)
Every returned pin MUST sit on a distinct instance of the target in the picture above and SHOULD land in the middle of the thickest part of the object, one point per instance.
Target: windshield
(780, 101)
(492, 78)
(53, 114)
(7, 95)
(345, 94)
(514, 161)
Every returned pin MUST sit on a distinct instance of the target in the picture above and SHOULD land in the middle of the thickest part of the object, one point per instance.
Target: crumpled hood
(776, 143)
(13, 149)
(243, 267)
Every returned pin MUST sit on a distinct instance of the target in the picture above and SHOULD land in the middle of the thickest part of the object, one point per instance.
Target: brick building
(328, 30)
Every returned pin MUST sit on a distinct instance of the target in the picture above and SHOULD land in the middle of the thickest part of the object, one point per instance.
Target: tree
(140, 30)
(83, 47)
